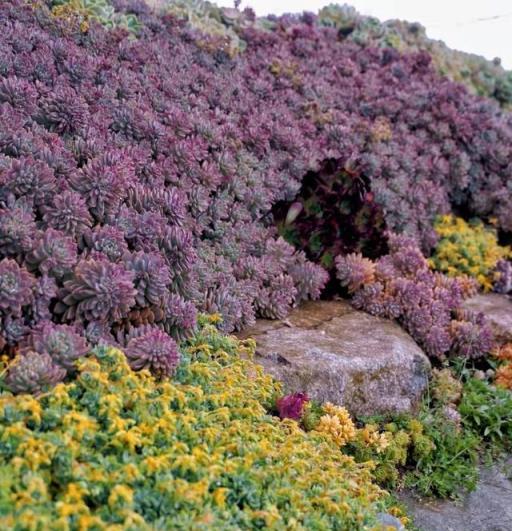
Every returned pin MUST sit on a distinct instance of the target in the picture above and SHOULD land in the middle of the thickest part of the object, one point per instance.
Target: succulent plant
(151, 348)
(151, 277)
(32, 372)
(98, 290)
(98, 333)
(68, 213)
(17, 230)
(503, 276)
(354, 271)
(45, 290)
(31, 178)
(16, 285)
(63, 111)
(202, 156)
(106, 240)
(54, 254)
(401, 286)
(14, 329)
(180, 316)
(18, 93)
(61, 342)
(102, 182)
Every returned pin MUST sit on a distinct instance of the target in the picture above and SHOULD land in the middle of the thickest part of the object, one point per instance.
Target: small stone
(497, 309)
(488, 508)
(479, 375)
(390, 521)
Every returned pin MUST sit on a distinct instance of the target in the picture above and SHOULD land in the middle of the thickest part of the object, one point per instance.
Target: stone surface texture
(488, 508)
(338, 354)
(498, 310)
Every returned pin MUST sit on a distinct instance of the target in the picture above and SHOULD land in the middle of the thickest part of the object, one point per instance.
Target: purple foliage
(471, 335)
(151, 348)
(161, 161)
(15, 287)
(292, 406)
(151, 277)
(69, 213)
(32, 372)
(401, 286)
(54, 254)
(98, 290)
(61, 342)
(30, 178)
(107, 241)
(17, 229)
(503, 276)
(179, 317)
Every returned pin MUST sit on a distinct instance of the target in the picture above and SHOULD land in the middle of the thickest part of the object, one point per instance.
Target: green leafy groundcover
(117, 449)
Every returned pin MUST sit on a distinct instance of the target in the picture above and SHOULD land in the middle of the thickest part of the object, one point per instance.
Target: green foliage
(117, 449)
(487, 411)
(222, 25)
(467, 249)
(450, 467)
(101, 11)
(437, 453)
(426, 453)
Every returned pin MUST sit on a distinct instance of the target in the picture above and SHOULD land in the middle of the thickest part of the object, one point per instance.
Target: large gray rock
(488, 508)
(335, 353)
(497, 309)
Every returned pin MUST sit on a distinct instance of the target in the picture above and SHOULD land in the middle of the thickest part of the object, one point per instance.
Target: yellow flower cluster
(370, 436)
(467, 249)
(118, 450)
(336, 422)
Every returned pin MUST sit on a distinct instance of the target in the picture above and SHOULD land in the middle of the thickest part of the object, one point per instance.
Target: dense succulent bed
(116, 449)
(138, 175)
(153, 166)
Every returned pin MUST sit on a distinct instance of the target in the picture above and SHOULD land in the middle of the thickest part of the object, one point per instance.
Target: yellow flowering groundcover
(467, 249)
(117, 449)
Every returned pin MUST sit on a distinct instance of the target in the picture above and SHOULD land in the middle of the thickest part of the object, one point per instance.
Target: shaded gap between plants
(334, 213)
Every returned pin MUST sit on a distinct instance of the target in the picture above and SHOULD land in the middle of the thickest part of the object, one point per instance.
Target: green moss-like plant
(487, 410)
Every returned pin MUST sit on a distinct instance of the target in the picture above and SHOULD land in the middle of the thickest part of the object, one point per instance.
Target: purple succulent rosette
(98, 290)
(151, 348)
(62, 343)
(401, 286)
(16, 285)
(33, 372)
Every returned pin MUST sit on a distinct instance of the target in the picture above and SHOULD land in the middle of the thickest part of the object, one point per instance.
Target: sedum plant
(401, 286)
(483, 77)
(140, 177)
(120, 449)
(102, 11)
(468, 249)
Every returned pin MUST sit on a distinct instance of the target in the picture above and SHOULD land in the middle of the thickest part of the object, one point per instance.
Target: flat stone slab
(338, 354)
(497, 309)
(488, 508)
